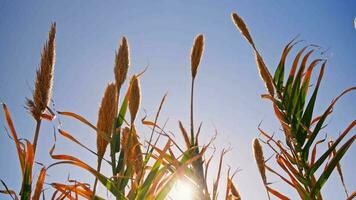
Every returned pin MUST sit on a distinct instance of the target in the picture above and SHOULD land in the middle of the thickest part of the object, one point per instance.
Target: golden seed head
(44, 77)
(137, 157)
(125, 143)
(125, 137)
(264, 73)
(135, 97)
(106, 117)
(196, 54)
(122, 62)
(240, 24)
(258, 153)
(132, 149)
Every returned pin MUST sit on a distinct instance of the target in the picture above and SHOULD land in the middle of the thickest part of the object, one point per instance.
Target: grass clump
(296, 152)
(37, 106)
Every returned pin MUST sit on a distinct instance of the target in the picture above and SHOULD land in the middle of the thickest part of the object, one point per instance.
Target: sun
(182, 190)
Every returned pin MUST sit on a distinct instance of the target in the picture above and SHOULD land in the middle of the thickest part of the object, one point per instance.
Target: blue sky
(160, 35)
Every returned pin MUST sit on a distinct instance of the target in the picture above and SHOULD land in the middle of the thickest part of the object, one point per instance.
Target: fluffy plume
(106, 117)
(258, 153)
(135, 97)
(44, 77)
(137, 156)
(196, 54)
(239, 22)
(264, 73)
(122, 62)
(125, 139)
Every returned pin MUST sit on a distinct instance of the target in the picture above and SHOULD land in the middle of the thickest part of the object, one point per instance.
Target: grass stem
(37, 131)
(192, 113)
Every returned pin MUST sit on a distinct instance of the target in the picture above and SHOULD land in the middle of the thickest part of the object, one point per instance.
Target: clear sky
(160, 35)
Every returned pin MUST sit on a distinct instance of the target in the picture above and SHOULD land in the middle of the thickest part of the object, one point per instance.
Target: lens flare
(182, 190)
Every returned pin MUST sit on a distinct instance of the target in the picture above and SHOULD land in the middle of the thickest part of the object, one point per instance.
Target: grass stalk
(192, 112)
(37, 132)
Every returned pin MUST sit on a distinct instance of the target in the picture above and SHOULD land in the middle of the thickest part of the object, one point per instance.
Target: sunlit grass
(143, 169)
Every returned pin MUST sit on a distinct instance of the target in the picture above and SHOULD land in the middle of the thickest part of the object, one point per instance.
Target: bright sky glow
(182, 190)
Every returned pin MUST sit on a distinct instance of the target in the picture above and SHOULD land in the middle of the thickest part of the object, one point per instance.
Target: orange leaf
(277, 194)
(39, 184)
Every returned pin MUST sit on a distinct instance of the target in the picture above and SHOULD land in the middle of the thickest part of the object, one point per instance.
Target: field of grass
(145, 169)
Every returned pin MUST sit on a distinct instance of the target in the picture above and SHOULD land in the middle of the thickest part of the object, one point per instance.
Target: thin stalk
(96, 178)
(269, 197)
(191, 113)
(198, 165)
(116, 133)
(37, 131)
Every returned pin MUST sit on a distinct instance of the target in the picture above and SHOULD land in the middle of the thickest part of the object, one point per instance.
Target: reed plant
(39, 109)
(140, 171)
(143, 169)
(296, 151)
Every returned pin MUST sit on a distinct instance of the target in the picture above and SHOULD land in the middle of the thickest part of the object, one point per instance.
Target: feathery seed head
(122, 62)
(135, 97)
(44, 77)
(106, 117)
(240, 24)
(125, 137)
(264, 73)
(137, 156)
(196, 54)
(258, 153)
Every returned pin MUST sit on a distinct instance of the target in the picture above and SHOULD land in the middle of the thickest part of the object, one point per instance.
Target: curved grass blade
(277, 194)
(85, 121)
(322, 158)
(67, 159)
(333, 163)
(39, 184)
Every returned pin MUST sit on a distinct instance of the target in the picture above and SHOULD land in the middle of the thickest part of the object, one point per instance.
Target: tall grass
(38, 107)
(141, 171)
(145, 170)
(296, 153)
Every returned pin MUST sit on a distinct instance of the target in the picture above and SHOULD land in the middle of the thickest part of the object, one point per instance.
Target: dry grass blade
(19, 149)
(44, 77)
(277, 194)
(122, 62)
(352, 196)
(73, 139)
(135, 97)
(185, 135)
(39, 184)
(11, 193)
(196, 54)
(339, 169)
(86, 122)
(72, 191)
(232, 189)
(217, 180)
(155, 123)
